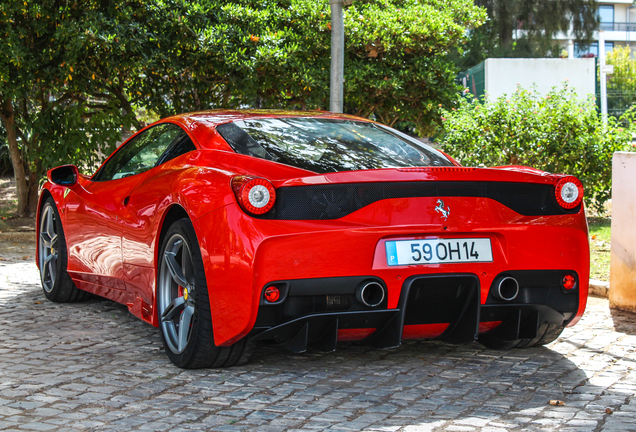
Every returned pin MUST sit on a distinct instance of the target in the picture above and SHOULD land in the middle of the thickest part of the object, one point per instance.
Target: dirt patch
(16, 247)
(9, 222)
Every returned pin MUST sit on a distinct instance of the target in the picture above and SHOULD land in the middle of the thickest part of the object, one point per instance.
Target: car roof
(202, 124)
(220, 116)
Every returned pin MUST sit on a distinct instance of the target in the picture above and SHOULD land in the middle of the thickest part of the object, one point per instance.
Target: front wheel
(53, 259)
(184, 306)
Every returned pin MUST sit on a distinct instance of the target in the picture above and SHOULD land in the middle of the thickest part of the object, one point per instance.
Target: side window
(182, 144)
(149, 149)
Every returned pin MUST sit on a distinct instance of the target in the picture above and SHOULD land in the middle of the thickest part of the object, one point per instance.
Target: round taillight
(568, 282)
(569, 192)
(255, 195)
(272, 294)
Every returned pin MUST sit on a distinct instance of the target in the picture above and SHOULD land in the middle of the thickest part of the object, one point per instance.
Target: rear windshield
(328, 145)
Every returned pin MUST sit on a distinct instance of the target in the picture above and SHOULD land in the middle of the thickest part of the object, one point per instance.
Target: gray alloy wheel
(183, 305)
(176, 293)
(53, 259)
(48, 247)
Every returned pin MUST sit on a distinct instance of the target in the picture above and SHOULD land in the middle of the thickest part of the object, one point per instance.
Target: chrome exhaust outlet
(507, 289)
(370, 294)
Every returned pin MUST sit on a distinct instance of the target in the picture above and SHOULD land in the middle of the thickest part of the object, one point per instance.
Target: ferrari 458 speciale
(224, 228)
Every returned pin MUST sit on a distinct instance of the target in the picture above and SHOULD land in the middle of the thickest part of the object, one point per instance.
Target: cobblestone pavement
(93, 366)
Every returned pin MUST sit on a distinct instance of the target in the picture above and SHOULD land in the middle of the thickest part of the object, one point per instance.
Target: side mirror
(65, 175)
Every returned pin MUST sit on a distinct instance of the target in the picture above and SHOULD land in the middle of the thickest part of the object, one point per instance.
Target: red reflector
(345, 335)
(272, 294)
(423, 331)
(488, 325)
(568, 282)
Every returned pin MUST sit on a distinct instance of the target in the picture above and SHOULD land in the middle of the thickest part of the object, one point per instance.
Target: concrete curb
(599, 288)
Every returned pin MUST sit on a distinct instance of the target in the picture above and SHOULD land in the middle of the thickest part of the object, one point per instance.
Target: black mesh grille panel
(336, 201)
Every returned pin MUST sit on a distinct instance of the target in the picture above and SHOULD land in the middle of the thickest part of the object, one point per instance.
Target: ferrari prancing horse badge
(441, 210)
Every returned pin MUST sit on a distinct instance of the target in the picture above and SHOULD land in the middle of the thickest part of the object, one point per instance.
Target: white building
(618, 21)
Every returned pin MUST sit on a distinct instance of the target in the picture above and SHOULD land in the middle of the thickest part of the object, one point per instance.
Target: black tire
(53, 259)
(182, 299)
(547, 333)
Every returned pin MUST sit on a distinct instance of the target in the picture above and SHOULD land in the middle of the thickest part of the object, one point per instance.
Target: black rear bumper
(427, 299)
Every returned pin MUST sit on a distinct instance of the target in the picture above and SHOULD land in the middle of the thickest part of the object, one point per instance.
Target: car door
(143, 216)
(93, 232)
(95, 213)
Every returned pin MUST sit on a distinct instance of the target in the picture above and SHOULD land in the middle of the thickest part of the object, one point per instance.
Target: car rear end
(431, 257)
(407, 252)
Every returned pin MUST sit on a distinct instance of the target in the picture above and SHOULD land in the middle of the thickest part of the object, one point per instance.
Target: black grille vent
(336, 201)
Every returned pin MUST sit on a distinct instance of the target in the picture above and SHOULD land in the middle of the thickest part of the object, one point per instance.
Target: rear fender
(228, 244)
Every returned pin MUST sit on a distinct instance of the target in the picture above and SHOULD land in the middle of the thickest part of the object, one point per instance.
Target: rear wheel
(184, 307)
(53, 259)
(547, 333)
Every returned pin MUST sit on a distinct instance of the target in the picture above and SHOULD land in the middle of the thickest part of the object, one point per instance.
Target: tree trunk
(506, 20)
(6, 112)
(34, 186)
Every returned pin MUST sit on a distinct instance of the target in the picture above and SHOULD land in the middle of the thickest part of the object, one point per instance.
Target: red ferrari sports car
(224, 228)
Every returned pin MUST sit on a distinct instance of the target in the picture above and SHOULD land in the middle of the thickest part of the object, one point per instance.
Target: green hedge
(558, 133)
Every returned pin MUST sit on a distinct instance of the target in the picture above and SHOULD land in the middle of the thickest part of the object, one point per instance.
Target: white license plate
(438, 251)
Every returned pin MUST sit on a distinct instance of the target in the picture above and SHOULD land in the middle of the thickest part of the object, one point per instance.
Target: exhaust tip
(507, 289)
(370, 294)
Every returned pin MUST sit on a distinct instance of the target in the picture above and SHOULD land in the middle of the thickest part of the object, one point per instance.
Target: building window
(606, 17)
(591, 50)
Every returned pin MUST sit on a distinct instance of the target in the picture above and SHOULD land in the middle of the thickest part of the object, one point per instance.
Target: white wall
(620, 13)
(622, 294)
(503, 75)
